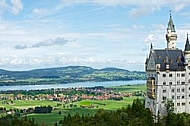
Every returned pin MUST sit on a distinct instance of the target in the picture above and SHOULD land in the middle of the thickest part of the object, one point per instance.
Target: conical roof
(171, 26)
(187, 46)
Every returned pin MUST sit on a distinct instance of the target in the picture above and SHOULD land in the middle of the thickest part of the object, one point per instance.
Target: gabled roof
(174, 58)
(187, 46)
(171, 26)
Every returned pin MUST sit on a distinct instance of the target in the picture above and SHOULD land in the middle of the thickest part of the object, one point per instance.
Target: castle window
(183, 104)
(182, 97)
(178, 90)
(149, 103)
(164, 83)
(183, 90)
(178, 75)
(173, 97)
(170, 61)
(189, 95)
(170, 75)
(178, 97)
(178, 104)
(182, 83)
(157, 67)
(164, 91)
(178, 60)
(172, 89)
(178, 82)
(170, 83)
(182, 75)
(164, 60)
(164, 98)
(164, 75)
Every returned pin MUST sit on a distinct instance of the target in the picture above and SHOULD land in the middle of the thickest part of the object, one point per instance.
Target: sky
(37, 34)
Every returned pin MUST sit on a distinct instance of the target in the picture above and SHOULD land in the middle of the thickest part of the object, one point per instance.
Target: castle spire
(171, 26)
(171, 36)
(187, 46)
(151, 46)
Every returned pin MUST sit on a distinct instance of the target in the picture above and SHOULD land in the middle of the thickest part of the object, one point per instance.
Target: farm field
(24, 104)
(58, 114)
(130, 88)
(109, 105)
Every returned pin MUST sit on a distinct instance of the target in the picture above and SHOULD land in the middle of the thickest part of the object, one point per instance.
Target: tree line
(43, 109)
(132, 115)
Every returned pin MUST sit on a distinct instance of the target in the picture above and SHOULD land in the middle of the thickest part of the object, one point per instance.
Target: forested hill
(68, 74)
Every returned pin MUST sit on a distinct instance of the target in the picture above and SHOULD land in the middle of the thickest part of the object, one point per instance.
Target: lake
(80, 84)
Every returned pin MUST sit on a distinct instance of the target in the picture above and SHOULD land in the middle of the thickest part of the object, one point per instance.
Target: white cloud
(139, 7)
(150, 38)
(16, 7)
(51, 42)
(138, 27)
(21, 47)
(48, 42)
(3, 6)
(62, 59)
(179, 7)
(138, 12)
(40, 12)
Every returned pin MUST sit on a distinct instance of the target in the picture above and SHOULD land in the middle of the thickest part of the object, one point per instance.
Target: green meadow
(24, 104)
(109, 105)
(130, 88)
(55, 116)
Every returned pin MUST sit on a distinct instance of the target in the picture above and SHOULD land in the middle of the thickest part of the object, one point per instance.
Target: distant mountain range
(67, 75)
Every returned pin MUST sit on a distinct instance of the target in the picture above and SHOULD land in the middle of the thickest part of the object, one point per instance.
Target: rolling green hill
(67, 74)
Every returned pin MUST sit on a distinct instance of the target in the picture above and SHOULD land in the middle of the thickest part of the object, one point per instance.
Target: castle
(168, 75)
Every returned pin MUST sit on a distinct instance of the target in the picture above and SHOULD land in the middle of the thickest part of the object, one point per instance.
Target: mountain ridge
(68, 74)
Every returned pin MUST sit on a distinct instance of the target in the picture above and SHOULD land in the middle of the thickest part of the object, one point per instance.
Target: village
(68, 95)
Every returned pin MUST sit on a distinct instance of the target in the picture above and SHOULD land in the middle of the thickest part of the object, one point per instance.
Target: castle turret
(171, 36)
(187, 46)
(187, 51)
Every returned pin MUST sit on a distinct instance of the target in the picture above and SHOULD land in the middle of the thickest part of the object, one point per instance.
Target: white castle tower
(171, 36)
